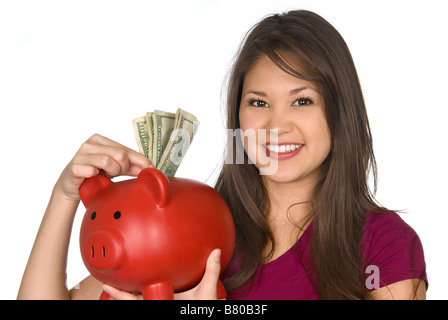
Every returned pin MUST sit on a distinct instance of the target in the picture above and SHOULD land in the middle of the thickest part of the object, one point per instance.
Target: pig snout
(104, 250)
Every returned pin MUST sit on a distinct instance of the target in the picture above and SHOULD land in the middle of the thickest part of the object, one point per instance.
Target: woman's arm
(44, 276)
(45, 273)
(412, 289)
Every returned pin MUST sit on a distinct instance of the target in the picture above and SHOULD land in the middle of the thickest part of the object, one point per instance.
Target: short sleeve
(392, 249)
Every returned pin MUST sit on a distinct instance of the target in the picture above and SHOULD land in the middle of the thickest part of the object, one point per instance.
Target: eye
(258, 103)
(303, 102)
(117, 215)
(93, 215)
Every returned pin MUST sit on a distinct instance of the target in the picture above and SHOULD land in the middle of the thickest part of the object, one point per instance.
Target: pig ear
(91, 186)
(156, 185)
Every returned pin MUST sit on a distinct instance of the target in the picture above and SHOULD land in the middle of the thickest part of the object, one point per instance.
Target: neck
(291, 200)
(290, 209)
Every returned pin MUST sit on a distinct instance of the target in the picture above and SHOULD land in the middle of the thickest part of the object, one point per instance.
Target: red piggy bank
(153, 234)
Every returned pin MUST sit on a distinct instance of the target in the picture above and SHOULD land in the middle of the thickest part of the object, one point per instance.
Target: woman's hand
(205, 290)
(45, 274)
(97, 154)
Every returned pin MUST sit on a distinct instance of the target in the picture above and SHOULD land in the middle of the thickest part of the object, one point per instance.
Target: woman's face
(287, 116)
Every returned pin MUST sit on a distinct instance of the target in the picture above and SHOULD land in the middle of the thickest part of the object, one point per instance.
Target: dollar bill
(180, 139)
(141, 135)
(164, 137)
(149, 125)
(163, 126)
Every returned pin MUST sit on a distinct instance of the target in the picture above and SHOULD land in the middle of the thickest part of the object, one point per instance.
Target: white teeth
(283, 148)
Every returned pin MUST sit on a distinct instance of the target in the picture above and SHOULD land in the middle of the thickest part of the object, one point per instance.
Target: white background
(69, 69)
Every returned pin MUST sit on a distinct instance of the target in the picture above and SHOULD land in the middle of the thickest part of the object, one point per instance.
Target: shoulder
(387, 228)
(387, 231)
(386, 221)
(393, 247)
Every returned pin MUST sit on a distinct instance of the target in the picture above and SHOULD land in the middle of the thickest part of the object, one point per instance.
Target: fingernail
(217, 255)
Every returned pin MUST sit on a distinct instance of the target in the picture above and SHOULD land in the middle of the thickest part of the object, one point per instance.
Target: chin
(278, 175)
(288, 176)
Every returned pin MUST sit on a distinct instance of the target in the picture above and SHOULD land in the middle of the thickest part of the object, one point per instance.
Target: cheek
(325, 135)
(247, 120)
(321, 136)
(250, 125)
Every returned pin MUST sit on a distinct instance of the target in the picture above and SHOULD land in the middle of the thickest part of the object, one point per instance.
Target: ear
(156, 185)
(91, 186)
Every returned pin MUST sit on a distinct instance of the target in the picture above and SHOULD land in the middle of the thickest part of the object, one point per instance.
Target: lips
(283, 151)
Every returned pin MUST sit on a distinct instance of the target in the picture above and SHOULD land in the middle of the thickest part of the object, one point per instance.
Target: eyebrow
(292, 92)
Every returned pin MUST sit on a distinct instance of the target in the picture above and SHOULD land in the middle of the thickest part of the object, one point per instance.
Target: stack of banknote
(164, 137)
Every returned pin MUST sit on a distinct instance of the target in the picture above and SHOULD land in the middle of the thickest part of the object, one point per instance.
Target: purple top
(390, 245)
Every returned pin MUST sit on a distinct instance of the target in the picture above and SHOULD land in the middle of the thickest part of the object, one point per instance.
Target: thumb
(208, 285)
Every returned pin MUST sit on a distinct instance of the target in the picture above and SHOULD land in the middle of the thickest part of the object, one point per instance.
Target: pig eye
(117, 215)
(93, 215)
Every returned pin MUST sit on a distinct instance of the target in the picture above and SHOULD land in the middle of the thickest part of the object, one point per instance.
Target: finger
(97, 139)
(207, 286)
(118, 154)
(100, 161)
(131, 162)
(137, 160)
(120, 295)
(134, 157)
(81, 171)
(134, 171)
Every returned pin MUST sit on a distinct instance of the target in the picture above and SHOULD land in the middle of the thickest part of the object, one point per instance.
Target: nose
(280, 122)
(103, 250)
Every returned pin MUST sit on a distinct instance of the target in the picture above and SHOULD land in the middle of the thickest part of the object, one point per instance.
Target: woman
(307, 225)
(294, 74)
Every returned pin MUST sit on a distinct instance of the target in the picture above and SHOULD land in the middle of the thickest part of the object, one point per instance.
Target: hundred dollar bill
(181, 137)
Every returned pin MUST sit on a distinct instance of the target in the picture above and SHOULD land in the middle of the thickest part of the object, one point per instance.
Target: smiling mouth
(284, 148)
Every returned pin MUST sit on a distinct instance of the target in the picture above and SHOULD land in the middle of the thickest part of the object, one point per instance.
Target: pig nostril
(93, 251)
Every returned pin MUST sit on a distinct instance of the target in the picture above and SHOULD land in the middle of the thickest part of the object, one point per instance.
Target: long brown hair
(342, 196)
